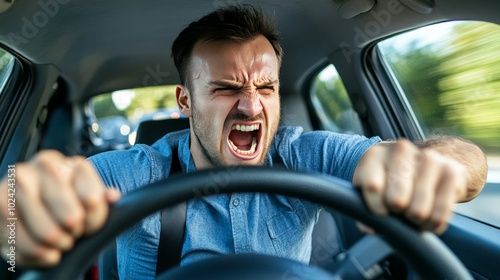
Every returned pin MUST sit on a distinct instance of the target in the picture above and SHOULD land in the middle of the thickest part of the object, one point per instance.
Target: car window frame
(390, 94)
(6, 74)
(13, 100)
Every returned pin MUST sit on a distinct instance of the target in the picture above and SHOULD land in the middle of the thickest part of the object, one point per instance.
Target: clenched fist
(421, 182)
(58, 199)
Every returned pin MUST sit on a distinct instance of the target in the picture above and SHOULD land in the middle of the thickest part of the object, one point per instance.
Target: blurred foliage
(332, 96)
(141, 101)
(332, 103)
(2, 63)
(104, 107)
(153, 98)
(453, 82)
(4, 59)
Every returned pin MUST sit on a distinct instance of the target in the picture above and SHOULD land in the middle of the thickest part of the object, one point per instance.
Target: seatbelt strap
(173, 222)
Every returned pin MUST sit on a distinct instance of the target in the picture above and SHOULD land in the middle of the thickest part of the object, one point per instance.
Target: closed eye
(227, 90)
(266, 89)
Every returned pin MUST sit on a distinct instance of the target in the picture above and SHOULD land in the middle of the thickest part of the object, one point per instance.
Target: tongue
(243, 140)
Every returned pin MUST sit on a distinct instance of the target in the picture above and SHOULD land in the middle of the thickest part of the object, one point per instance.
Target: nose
(249, 104)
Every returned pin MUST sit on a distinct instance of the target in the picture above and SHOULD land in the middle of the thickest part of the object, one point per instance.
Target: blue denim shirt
(244, 223)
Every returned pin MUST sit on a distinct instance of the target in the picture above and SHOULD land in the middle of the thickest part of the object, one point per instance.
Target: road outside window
(449, 74)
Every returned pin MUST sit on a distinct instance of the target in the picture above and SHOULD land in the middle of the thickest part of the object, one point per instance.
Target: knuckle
(403, 146)
(427, 157)
(80, 163)
(24, 170)
(53, 260)
(56, 239)
(50, 168)
(397, 203)
(25, 185)
(417, 215)
(94, 225)
(454, 180)
(87, 181)
(373, 187)
(56, 167)
(48, 155)
(73, 219)
(431, 154)
(45, 257)
(34, 254)
(77, 161)
(37, 253)
(93, 201)
(51, 236)
(439, 219)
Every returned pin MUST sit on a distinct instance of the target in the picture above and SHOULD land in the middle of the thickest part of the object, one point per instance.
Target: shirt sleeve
(323, 151)
(131, 169)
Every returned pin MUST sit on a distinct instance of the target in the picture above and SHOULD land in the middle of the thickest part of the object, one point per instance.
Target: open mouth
(244, 139)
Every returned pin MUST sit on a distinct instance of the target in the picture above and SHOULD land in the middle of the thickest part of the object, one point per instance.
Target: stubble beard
(201, 130)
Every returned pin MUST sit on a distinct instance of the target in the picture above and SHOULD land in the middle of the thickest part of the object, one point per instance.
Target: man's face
(233, 102)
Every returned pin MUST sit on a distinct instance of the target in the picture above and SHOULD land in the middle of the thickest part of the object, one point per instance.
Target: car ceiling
(101, 46)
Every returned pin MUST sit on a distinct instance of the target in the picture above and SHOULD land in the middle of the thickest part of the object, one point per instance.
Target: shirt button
(236, 202)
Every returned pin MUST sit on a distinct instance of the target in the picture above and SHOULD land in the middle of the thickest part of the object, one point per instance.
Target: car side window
(6, 66)
(331, 103)
(449, 76)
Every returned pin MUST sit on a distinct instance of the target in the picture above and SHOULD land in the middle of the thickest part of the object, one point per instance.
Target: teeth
(246, 128)
(248, 152)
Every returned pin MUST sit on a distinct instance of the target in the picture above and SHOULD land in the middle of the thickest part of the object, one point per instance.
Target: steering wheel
(424, 252)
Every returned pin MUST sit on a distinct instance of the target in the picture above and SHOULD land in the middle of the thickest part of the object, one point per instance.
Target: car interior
(389, 68)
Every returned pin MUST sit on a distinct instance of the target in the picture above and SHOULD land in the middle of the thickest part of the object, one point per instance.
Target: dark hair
(237, 23)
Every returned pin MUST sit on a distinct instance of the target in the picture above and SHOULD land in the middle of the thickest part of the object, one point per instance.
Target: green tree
(471, 88)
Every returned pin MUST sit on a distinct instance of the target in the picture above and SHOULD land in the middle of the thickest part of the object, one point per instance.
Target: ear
(183, 100)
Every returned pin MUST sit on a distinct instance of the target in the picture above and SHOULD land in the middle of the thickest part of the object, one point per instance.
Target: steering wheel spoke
(362, 260)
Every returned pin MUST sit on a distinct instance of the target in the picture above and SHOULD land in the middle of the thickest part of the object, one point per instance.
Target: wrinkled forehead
(228, 59)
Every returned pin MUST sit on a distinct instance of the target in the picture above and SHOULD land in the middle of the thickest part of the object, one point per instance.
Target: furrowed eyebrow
(227, 84)
(268, 83)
